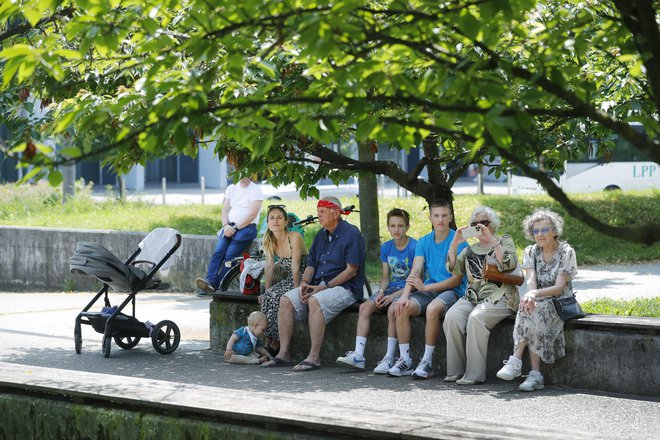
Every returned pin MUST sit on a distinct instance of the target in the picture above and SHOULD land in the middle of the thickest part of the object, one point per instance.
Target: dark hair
(440, 203)
(398, 212)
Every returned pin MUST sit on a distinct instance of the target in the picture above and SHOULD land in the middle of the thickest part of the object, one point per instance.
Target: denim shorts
(448, 297)
(423, 299)
(332, 301)
(390, 290)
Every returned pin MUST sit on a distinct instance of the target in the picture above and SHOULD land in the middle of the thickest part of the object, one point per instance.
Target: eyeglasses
(270, 207)
(543, 230)
(481, 222)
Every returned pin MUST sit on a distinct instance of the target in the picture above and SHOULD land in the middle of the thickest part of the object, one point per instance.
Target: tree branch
(647, 234)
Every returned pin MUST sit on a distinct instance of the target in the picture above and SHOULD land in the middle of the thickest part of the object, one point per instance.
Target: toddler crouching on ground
(244, 346)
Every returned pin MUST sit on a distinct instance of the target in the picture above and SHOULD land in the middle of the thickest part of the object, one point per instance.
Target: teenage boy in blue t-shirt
(430, 289)
(396, 256)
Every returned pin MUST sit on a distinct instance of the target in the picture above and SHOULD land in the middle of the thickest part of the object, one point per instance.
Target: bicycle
(231, 282)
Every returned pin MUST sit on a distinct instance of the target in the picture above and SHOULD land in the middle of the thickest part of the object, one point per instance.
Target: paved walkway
(37, 329)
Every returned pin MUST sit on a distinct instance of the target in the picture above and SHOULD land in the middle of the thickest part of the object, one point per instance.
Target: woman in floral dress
(550, 267)
(286, 258)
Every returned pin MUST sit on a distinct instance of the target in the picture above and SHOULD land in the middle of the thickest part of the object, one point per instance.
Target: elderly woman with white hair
(549, 266)
(468, 323)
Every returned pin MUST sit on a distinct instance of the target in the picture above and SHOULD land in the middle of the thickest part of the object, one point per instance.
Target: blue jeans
(227, 249)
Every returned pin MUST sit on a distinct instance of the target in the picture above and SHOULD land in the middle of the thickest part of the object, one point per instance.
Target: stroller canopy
(93, 259)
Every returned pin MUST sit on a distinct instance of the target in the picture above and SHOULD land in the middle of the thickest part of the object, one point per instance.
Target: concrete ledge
(39, 402)
(605, 353)
(37, 259)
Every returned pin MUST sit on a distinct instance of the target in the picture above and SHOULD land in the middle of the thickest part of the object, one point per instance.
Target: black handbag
(568, 308)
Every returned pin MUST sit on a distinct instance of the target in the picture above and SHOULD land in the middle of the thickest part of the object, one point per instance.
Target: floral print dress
(270, 300)
(543, 330)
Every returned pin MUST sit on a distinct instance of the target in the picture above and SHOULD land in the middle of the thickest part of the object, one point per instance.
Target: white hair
(332, 199)
(492, 216)
(556, 221)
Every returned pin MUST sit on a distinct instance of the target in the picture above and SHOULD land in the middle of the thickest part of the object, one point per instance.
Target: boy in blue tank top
(430, 290)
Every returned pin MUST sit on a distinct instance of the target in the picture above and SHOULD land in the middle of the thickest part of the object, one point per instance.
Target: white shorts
(332, 301)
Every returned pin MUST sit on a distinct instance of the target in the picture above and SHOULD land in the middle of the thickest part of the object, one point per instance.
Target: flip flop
(306, 366)
(277, 362)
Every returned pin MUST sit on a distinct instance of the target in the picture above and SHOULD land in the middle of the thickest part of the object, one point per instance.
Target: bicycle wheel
(231, 282)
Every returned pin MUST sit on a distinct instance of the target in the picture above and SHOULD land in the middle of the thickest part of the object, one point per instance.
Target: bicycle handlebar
(306, 221)
(311, 219)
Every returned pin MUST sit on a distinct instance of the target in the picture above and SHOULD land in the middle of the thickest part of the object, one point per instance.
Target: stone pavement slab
(264, 408)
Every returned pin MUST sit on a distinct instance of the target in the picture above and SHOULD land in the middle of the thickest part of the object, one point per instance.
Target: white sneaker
(423, 371)
(512, 368)
(533, 382)
(403, 367)
(352, 359)
(385, 364)
(468, 382)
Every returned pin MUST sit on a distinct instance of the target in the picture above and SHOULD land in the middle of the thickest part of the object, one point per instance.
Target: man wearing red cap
(331, 282)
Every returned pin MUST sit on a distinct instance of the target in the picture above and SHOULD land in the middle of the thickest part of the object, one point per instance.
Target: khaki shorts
(332, 301)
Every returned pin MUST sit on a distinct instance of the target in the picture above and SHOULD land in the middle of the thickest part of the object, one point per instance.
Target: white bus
(628, 168)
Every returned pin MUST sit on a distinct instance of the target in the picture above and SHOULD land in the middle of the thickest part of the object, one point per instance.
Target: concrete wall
(37, 259)
(603, 359)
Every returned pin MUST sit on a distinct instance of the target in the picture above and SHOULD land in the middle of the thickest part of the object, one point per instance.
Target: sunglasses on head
(481, 222)
(282, 207)
(543, 230)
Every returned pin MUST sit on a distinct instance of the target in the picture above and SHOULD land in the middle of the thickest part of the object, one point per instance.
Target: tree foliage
(281, 82)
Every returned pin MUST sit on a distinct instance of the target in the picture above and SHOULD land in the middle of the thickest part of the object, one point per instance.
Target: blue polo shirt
(435, 259)
(330, 253)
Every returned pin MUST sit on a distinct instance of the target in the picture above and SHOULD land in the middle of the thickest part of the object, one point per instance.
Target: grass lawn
(648, 307)
(40, 205)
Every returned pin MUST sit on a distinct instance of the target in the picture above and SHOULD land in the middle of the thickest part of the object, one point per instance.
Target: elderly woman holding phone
(468, 323)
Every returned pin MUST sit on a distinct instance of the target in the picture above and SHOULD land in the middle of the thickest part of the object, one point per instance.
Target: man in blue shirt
(430, 289)
(331, 282)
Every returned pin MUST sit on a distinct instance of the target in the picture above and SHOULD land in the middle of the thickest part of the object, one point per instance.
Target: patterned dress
(543, 330)
(270, 300)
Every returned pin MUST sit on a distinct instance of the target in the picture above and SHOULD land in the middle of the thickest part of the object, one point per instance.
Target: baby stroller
(137, 273)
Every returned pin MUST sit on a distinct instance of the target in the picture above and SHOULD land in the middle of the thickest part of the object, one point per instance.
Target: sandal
(306, 366)
(277, 362)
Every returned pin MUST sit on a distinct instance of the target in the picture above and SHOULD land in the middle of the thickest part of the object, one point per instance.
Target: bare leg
(535, 360)
(285, 320)
(391, 323)
(316, 331)
(520, 349)
(367, 308)
(434, 312)
(403, 322)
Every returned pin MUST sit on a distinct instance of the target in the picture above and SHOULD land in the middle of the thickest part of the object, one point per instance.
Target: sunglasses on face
(481, 222)
(543, 230)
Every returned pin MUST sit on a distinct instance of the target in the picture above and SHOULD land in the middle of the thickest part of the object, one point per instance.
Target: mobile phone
(472, 231)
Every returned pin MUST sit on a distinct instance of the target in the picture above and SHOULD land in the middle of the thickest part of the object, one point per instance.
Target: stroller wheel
(127, 342)
(165, 337)
(105, 346)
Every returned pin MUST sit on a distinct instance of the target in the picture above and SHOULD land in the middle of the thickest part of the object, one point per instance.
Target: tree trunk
(440, 190)
(69, 180)
(368, 196)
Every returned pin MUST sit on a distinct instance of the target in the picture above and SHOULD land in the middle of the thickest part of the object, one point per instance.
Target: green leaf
(71, 152)
(55, 177)
(269, 68)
